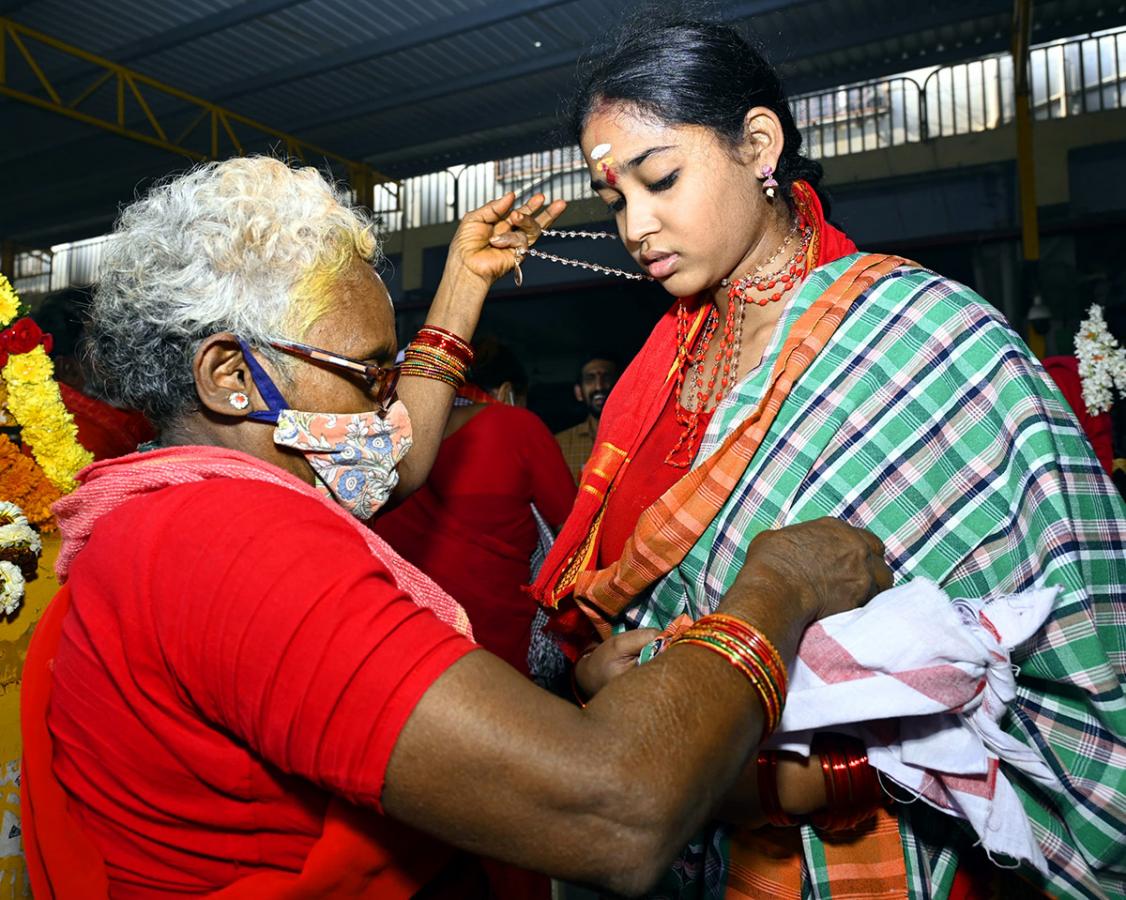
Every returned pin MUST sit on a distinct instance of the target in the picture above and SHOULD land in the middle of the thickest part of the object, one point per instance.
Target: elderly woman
(240, 690)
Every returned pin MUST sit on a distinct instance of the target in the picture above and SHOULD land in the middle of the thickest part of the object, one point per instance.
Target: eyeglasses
(381, 382)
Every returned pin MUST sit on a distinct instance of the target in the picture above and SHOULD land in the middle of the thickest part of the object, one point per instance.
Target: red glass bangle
(432, 350)
(766, 767)
(436, 329)
(751, 653)
(758, 641)
(461, 354)
(851, 786)
(434, 373)
(433, 336)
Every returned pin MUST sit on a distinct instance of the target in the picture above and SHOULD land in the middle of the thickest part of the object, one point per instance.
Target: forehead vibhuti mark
(604, 162)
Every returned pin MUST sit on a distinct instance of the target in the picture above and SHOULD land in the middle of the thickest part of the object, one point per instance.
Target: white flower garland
(1102, 363)
(11, 587)
(19, 539)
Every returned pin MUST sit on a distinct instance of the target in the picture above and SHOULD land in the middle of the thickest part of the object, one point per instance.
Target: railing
(1067, 79)
(446, 196)
(1070, 78)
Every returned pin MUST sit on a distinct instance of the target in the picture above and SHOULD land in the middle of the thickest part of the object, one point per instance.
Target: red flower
(23, 337)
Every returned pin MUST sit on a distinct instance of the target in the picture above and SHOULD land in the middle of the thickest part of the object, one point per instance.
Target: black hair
(63, 316)
(494, 364)
(685, 71)
(591, 357)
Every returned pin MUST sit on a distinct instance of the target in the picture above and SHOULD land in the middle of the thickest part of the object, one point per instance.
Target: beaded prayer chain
(789, 275)
(580, 264)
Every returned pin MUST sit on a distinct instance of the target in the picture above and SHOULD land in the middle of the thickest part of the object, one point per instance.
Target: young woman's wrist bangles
(749, 651)
(439, 355)
(852, 789)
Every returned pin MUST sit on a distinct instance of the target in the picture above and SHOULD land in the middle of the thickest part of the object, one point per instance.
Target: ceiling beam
(414, 37)
(431, 32)
(173, 37)
(827, 79)
(514, 131)
(533, 66)
(539, 64)
(142, 95)
(238, 14)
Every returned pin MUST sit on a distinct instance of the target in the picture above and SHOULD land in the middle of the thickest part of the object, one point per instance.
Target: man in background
(596, 377)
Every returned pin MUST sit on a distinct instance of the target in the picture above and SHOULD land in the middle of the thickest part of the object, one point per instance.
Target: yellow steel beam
(1030, 228)
(1026, 173)
(142, 89)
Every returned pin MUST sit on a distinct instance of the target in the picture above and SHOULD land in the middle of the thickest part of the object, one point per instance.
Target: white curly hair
(247, 245)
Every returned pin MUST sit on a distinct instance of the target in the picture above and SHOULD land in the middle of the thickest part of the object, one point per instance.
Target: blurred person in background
(596, 378)
(106, 431)
(470, 527)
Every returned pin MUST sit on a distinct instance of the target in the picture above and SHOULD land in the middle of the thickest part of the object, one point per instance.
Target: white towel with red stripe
(923, 681)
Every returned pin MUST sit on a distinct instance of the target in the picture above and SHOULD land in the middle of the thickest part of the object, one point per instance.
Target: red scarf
(106, 485)
(630, 414)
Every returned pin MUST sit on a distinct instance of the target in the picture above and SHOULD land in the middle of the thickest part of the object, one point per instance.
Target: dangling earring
(238, 400)
(770, 183)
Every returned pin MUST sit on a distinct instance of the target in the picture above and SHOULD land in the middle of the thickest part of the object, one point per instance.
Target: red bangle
(766, 767)
(851, 786)
(440, 338)
(445, 333)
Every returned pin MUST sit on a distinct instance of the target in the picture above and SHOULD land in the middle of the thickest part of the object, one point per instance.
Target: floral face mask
(354, 455)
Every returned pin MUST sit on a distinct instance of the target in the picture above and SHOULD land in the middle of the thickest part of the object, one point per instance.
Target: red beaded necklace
(726, 367)
(762, 284)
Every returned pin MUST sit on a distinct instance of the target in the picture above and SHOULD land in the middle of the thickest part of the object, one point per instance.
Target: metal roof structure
(405, 87)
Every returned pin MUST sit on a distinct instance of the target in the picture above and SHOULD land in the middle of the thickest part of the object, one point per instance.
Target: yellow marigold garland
(45, 423)
(9, 301)
(33, 400)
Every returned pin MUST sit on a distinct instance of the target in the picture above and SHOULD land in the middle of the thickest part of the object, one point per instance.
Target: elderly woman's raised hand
(827, 565)
(489, 239)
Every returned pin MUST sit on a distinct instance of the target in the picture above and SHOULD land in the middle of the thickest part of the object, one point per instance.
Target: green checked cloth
(926, 420)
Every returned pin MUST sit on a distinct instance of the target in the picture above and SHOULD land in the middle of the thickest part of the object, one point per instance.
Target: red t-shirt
(1099, 429)
(646, 478)
(470, 527)
(233, 654)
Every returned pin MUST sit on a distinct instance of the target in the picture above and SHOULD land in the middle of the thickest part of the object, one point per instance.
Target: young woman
(794, 378)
